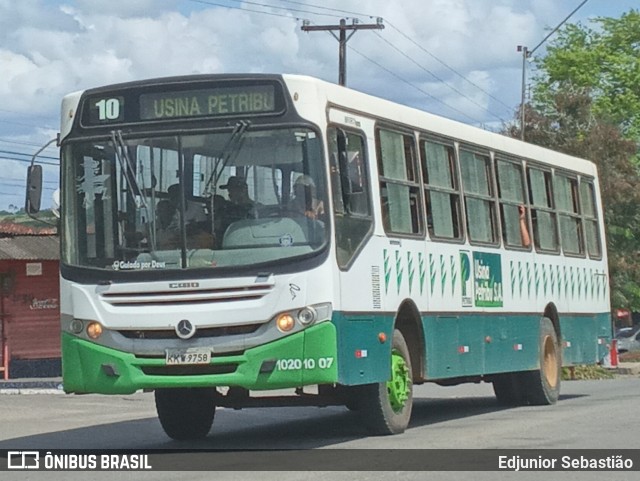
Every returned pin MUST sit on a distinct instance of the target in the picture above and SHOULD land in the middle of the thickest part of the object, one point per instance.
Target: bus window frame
(502, 157)
(491, 198)
(591, 182)
(456, 190)
(547, 171)
(416, 183)
(571, 176)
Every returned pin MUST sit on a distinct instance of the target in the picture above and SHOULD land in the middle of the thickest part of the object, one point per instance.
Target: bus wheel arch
(551, 313)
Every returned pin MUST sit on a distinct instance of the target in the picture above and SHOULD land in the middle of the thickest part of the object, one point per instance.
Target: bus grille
(188, 296)
(200, 333)
(195, 370)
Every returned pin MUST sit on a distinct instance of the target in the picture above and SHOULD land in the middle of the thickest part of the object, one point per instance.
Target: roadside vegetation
(585, 102)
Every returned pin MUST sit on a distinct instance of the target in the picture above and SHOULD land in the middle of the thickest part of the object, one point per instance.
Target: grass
(576, 373)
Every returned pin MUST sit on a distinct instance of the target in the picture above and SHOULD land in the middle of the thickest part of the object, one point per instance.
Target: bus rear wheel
(386, 406)
(186, 413)
(543, 385)
(508, 389)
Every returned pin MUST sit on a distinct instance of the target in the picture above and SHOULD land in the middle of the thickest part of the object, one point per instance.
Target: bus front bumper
(305, 358)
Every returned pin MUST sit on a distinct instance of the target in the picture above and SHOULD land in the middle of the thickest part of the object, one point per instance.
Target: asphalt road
(589, 415)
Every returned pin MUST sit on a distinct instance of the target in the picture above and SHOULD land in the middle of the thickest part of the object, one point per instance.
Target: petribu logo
(23, 460)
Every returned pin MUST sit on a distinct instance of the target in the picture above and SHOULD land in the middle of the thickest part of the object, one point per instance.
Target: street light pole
(526, 53)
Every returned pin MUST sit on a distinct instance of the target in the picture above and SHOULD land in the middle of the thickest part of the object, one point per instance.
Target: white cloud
(52, 47)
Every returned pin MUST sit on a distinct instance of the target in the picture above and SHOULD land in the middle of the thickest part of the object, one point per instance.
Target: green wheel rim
(400, 383)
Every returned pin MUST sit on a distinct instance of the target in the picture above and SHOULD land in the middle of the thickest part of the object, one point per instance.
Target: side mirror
(34, 189)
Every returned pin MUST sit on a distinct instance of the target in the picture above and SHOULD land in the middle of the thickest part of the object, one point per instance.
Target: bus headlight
(94, 330)
(285, 322)
(76, 326)
(307, 315)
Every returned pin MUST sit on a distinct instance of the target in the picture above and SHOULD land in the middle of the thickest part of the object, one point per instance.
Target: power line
(342, 39)
(28, 155)
(439, 79)
(27, 161)
(259, 5)
(414, 86)
(360, 53)
(337, 10)
(440, 61)
(526, 53)
(30, 144)
(448, 67)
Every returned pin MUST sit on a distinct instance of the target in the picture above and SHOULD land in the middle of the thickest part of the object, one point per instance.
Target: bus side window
(479, 202)
(590, 216)
(543, 217)
(442, 192)
(351, 200)
(512, 199)
(566, 197)
(399, 188)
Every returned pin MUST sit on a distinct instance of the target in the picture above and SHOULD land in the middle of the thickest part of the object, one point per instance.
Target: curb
(16, 391)
(31, 387)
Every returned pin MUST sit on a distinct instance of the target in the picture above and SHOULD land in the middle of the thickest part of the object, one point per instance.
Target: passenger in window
(240, 206)
(238, 192)
(524, 228)
(304, 199)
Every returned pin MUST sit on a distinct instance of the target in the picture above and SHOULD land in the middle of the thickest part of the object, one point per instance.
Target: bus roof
(369, 105)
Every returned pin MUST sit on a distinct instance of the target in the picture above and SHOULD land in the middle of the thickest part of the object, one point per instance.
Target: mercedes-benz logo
(184, 329)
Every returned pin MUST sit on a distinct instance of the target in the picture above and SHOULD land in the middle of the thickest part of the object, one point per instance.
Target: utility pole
(525, 56)
(343, 39)
(526, 53)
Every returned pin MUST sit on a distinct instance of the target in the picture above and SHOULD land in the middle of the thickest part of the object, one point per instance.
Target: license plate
(192, 355)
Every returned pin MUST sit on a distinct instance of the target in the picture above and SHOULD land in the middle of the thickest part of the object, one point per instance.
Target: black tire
(186, 414)
(508, 389)
(543, 385)
(386, 407)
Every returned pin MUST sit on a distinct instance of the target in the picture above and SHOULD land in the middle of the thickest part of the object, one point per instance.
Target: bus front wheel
(386, 406)
(185, 413)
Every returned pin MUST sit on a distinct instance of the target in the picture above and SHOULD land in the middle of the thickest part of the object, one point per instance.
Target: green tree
(604, 60)
(586, 102)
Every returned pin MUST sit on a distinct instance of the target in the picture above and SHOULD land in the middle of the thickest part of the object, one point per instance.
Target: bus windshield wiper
(230, 149)
(127, 167)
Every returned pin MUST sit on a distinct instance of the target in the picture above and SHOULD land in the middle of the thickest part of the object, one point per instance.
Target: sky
(455, 58)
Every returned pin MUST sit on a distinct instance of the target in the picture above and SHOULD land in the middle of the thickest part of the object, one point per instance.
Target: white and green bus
(227, 235)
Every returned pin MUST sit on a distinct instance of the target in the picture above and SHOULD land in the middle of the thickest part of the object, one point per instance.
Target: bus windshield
(240, 197)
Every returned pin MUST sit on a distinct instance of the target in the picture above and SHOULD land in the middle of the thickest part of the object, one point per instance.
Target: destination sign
(222, 101)
(180, 101)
